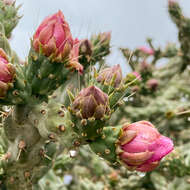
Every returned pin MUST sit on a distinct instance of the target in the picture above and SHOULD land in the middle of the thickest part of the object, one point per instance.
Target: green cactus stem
(34, 136)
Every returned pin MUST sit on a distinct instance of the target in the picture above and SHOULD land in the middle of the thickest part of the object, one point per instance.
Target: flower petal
(161, 147)
(148, 167)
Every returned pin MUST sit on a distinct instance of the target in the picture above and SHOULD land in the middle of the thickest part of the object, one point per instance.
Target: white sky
(130, 21)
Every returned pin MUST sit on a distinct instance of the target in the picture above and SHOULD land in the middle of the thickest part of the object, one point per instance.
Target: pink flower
(143, 146)
(74, 57)
(146, 50)
(7, 72)
(53, 38)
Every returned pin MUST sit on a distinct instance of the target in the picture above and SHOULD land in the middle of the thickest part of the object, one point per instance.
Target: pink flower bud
(91, 102)
(146, 50)
(137, 75)
(113, 73)
(53, 38)
(7, 72)
(143, 146)
(152, 84)
(74, 57)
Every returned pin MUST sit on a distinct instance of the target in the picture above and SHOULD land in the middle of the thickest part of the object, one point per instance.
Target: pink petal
(136, 159)
(59, 34)
(3, 60)
(46, 34)
(45, 23)
(161, 147)
(49, 47)
(135, 146)
(147, 167)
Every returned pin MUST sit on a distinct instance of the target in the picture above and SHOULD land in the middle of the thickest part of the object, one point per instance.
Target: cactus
(68, 118)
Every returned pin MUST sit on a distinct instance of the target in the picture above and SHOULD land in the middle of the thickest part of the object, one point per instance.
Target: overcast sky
(130, 21)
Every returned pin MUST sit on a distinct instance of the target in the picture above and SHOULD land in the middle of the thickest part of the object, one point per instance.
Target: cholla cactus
(39, 127)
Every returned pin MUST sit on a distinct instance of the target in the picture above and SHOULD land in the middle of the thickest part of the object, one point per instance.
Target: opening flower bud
(7, 72)
(53, 38)
(143, 146)
(112, 75)
(91, 102)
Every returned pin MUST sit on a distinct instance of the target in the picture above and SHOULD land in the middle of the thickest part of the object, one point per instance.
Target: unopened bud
(91, 102)
(112, 75)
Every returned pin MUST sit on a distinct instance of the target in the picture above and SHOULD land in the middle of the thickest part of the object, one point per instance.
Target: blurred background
(131, 22)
